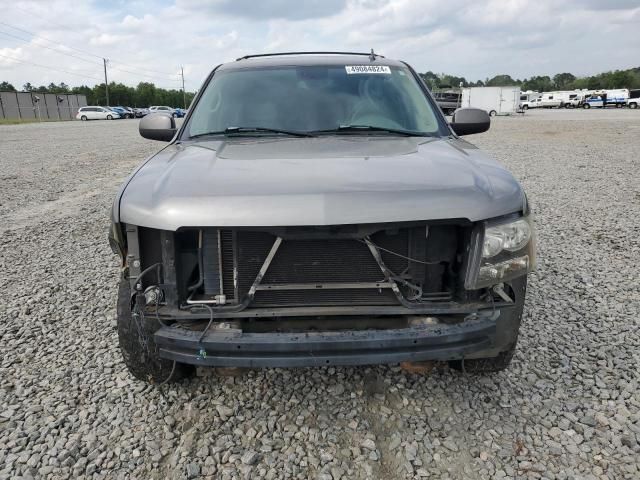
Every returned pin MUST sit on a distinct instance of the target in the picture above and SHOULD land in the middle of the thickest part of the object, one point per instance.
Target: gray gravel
(567, 408)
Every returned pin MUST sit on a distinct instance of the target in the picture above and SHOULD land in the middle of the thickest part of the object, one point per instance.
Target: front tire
(586, 106)
(493, 113)
(633, 105)
(83, 118)
(109, 117)
(139, 351)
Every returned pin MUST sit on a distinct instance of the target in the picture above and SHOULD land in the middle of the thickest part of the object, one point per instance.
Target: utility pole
(184, 94)
(106, 83)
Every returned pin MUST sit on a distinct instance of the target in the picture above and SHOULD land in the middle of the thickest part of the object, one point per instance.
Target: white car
(96, 113)
(163, 109)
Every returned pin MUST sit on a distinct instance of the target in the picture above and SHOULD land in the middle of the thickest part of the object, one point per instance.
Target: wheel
(525, 107)
(109, 117)
(633, 105)
(174, 115)
(493, 113)
(507, 333)
(143, 362)
(618, 105)
(586, 105)
(83, 118)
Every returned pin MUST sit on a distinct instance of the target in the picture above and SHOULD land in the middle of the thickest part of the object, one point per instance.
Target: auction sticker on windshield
(367, 69)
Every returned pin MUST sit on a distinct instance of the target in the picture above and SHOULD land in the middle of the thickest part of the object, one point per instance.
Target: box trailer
(494, 100)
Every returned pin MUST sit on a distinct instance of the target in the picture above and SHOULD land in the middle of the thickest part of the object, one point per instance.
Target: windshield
(314, 99)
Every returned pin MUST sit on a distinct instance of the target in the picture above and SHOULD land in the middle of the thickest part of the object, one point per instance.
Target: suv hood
(249, 181)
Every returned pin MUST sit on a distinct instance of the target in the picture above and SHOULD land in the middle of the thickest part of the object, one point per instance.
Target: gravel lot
(567, 408)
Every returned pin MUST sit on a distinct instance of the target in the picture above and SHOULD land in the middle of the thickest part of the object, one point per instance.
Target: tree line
(629, 78)
(144, 94)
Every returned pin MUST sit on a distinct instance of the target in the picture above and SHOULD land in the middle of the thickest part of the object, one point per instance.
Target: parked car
(574, 102)
(163, 109)
(179, 112)
(606, 98)
(129, 113)
(634, 98)
(120, 111)
(140, 112)
(96, 113)
(319, 210)
(532, 103)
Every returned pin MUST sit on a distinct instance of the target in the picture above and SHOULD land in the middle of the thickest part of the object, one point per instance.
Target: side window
(550, 97)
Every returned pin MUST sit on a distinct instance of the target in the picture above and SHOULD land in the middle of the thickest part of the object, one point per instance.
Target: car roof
(308, 59)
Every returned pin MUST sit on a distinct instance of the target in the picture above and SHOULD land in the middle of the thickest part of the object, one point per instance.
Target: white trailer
(494, 100)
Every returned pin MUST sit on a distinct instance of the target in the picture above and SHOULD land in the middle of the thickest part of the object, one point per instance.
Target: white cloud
(10, 57)
(105, 40)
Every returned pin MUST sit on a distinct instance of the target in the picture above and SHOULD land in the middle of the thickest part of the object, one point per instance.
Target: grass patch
(18, 121)
(15, 121)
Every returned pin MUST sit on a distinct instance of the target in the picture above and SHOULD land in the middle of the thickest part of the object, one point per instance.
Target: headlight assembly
(507, 251)
(509, 236)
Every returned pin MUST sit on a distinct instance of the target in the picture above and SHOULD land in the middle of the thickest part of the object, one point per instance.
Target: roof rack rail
(371, 54)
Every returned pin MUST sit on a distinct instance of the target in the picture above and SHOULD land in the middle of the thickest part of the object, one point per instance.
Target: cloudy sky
(148, 40)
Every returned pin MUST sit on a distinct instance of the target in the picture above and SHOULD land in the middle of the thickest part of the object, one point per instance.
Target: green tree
(619, 79)
(501, 80)
(145, 94)
(6, 86)
(563, 81)
(538, 84)
(431, 79)
(27, 87)
(87, 92)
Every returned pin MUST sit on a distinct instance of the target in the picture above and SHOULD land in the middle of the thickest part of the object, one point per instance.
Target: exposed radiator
(233, 258)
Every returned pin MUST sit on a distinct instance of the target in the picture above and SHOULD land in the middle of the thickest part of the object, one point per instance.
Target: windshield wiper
(232, 130)
(371, 128)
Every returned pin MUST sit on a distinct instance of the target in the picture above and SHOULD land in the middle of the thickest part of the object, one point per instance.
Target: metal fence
(40, 106)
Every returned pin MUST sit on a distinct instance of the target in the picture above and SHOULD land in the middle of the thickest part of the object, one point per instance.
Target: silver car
(314, 210)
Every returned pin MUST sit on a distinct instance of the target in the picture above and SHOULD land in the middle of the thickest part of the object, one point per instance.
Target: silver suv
(313, 210)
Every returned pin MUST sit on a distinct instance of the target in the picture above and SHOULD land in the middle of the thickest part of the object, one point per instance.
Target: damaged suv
(317, 209)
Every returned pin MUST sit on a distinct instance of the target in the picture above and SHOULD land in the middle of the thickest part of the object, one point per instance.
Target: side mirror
(466, 121)
(158, 126)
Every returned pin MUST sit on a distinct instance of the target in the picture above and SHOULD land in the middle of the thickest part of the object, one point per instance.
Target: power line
(81, 51)
(50, 41)
(49, 68)
(50, 48)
